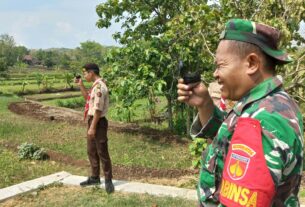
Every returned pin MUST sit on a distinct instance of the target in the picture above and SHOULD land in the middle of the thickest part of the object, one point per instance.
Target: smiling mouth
(221, 85)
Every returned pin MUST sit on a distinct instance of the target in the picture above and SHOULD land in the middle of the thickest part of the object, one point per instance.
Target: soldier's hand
(194, 94)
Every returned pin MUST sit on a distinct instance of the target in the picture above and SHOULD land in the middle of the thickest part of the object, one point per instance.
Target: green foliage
(24, 83)
(47, 58)
(48, 82)
(71, 103)
(68, 78)
(31, 151)
(196, 148)
(157, 34)
(7, 56)
(92, 52)
(180, 123)
(39, 78)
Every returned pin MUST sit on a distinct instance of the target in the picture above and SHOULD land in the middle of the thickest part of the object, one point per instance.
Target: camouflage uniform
(282, 131)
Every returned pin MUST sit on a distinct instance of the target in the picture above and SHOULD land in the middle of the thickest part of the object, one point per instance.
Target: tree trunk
(129, 116)
(170, 112)
(188, 120)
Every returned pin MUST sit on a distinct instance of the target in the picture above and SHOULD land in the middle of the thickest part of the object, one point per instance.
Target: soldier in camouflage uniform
(256, 155)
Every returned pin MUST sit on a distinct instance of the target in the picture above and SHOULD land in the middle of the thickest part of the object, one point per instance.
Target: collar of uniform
(95, 82)
(258, 92)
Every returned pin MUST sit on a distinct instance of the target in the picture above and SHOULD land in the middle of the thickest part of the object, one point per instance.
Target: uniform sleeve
(282, 147)
(210, 129)
(98, 98)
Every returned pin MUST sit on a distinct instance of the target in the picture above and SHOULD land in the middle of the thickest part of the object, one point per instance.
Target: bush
(196, 148)
(72, 103)
(31, 151)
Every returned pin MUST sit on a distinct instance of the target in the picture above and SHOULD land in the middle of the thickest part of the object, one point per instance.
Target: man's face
(88, 75)
(230, 72)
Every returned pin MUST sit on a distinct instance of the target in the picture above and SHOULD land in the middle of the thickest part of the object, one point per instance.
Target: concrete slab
(157, 190)
(135, 187)
(120, 186)
(27, 186)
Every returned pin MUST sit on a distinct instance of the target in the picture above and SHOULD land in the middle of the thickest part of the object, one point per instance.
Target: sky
(53, 23)
(56, 23)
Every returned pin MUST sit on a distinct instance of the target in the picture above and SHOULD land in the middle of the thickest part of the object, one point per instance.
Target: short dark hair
(242, 49)
(92, 67)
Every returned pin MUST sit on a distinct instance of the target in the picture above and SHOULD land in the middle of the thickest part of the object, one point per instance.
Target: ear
(254, 63)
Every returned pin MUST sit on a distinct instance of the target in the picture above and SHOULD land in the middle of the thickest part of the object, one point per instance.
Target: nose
(215, 74)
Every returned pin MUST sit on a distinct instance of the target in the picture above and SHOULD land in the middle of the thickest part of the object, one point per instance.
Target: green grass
(141, 109)
(30, 88)
(125, 149)
(71, 196)
(14, 171)
(141, 113)
(49, 96)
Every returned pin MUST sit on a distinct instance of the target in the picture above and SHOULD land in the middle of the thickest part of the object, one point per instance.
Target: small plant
(180, 123)
(39, 78)
(196, 148)
(24, 83)
(68, 78)
(71, 103)
(31, 151)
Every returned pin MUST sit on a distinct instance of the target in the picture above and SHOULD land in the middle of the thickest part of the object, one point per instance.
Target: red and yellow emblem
(237, 166)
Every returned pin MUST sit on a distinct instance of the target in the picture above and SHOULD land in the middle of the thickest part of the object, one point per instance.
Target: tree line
(63, 58)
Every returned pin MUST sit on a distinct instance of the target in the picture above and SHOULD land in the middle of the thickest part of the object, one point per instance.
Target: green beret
(263, 36)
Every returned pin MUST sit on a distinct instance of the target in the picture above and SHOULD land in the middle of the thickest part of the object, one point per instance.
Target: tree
(157, 34)
(145, 22)
(7, 56)
(91, 51)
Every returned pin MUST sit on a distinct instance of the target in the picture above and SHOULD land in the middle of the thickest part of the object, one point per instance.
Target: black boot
(109, 186)
(91, 181)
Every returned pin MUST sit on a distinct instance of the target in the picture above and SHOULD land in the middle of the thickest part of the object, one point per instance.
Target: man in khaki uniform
(97, 103)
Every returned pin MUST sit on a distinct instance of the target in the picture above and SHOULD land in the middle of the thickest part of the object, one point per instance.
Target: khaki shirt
(99, 98)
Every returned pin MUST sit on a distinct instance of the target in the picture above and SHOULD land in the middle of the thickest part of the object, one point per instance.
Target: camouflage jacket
(282, 137)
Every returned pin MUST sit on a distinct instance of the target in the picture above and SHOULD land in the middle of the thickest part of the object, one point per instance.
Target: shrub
(31, 151)
(196, 148)
(71, 103)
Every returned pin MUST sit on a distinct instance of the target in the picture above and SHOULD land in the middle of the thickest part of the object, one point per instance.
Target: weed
(31, 151)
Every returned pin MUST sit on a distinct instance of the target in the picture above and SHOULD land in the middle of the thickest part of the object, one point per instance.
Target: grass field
(15, 171)
(73, 196)
(53, 96)
(125, 149)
